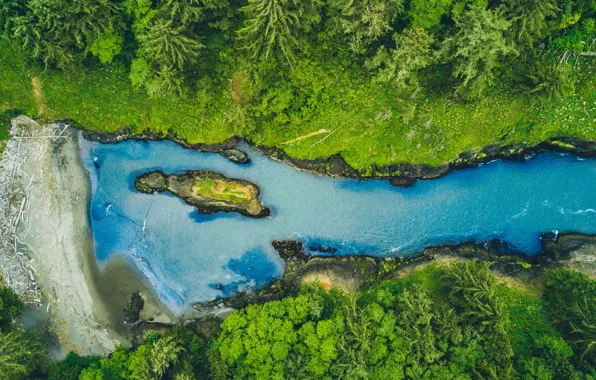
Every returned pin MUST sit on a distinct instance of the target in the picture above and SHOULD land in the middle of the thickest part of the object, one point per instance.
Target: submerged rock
(132, 311)
(236, 155)
(208, 191)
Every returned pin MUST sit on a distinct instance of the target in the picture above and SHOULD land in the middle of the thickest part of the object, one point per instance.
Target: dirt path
(39, 96)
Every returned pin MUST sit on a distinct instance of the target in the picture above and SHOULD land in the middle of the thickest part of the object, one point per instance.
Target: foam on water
(192, 258)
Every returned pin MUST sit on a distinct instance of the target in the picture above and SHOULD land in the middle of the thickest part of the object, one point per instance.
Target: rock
(403, 181)
(132, 311)
(567, 244)
(235, 155)
(208, 191)
(552, 236)
(152, 182)
(321, 248)
(290, 250)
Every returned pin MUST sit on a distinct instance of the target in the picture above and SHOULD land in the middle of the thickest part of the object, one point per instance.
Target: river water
(185, 255)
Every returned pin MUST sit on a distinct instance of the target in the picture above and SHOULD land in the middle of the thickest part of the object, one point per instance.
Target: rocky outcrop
(208, 191)
(132, 311)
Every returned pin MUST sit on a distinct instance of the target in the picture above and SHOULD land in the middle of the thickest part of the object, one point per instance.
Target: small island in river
(210, 192)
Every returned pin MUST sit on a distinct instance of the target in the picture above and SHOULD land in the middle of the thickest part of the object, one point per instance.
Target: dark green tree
(276, 26)
(11, 308)
(401, 65)
(59, 32)
(571, 299)
(363, 21)
(20, 353)
(548, 79)
(8, 10)
(529, 19)
(476, 48)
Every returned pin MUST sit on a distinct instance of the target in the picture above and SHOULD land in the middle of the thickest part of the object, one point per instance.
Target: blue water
(192, 258)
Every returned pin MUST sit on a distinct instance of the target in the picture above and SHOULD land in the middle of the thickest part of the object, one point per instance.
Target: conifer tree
(476, 48)
(400, 65)
(363, 21)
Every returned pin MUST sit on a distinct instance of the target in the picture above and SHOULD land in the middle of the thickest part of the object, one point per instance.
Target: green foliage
(550, 79)
(362, 22)
(367, 70)
(529, 19)
(476, 48)
(11, 308)
(427, 14)
(107, 45)
(401, 65)
(273, 26)
(20, 353)
(8, 10)
(71, 367)
(571, 300)
(57, 32)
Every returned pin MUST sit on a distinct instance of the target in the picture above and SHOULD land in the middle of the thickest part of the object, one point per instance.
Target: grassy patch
(222, 190)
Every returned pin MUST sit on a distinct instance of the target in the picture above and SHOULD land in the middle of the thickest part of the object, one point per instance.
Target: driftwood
(16, 267)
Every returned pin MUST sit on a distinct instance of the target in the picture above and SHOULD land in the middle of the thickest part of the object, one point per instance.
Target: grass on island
(365, 122)
(223, 190)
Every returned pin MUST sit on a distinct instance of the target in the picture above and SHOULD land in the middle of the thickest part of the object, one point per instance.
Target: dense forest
(443, 322)
(421, 80)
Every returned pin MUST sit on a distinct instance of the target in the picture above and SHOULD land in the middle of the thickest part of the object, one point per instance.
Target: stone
(132, 311)
(236, 156)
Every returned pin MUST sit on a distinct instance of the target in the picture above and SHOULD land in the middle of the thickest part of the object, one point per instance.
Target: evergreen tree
(363, 21)
(57, 31)
(476, 48)
(19, 353)
(529, 19)
(400, 66)
(168, 45)
(8, 10)
(277, 26)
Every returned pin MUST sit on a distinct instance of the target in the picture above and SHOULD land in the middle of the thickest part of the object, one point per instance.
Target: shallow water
(186, 254)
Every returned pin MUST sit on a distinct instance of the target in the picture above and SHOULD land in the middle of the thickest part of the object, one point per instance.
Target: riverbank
(362, 124)
(357, 273)
(82, 302)
(399, 174)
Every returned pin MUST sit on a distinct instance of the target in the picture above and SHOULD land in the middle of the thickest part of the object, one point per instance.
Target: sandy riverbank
(84, 304)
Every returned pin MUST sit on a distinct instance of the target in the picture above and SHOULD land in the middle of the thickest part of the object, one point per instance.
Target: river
(194, 258)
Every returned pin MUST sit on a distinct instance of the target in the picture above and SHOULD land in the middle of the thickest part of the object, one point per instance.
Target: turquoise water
(186, 255)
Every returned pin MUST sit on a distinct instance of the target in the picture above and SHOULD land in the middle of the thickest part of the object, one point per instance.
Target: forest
(420, 80)
(443, 322)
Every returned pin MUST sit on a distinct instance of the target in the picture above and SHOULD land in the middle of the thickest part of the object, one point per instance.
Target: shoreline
(356, 272)
(398, 174)
(83, 302)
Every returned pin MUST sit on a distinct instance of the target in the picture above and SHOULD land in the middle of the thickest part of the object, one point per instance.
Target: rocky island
(210, 192)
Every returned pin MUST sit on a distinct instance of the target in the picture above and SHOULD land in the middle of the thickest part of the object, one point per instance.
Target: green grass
(365, 119)
(528, 319)
(206, 187)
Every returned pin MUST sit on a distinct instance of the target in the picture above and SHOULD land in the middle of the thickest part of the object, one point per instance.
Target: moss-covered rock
(208, 191)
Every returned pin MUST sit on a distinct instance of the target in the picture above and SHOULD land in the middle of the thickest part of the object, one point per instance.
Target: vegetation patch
(223, 190)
